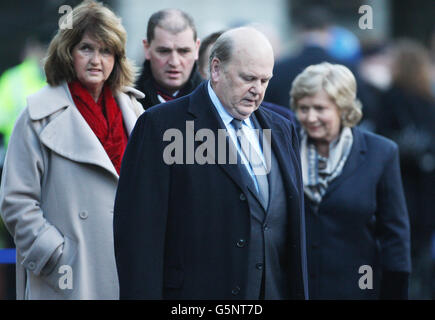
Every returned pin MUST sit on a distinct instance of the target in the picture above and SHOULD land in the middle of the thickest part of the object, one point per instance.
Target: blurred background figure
(407, 116)
(344, 46)
(321, 39)
(204, 53)
(354, 203)
(63, 162)
(17, 83)
(314, 38)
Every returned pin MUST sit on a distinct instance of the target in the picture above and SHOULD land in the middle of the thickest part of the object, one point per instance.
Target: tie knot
(237, 124)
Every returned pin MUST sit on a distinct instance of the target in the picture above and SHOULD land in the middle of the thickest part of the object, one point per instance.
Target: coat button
(266, 227)
(259, 266)
(83, 215)
(235, 291)
(241, 243)
(31, 265)
(242, 197)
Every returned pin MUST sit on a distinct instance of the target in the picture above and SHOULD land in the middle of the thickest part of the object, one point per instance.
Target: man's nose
(256, 87)
(174, 59)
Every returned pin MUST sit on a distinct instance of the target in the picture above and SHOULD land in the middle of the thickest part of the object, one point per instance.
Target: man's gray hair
(222, 50)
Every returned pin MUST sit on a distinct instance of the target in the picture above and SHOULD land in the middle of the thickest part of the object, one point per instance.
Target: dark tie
(254, 160)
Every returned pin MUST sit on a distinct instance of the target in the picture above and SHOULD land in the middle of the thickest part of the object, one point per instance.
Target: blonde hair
(337, 81)
(102, 25)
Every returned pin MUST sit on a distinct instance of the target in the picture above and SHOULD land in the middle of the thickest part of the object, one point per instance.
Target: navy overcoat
(178, 227)
(361, 221)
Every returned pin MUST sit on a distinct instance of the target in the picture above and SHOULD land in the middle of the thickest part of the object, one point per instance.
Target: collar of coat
(50, 99)
(68, 134)
(145, 80)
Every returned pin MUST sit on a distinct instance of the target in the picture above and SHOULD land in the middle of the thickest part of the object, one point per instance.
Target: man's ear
(197, 44)
(215, 69)
(146, 46)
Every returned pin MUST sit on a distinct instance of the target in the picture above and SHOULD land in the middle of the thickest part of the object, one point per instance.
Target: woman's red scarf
(105, 119)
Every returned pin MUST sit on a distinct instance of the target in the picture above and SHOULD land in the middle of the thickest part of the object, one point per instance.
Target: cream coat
(58, 187)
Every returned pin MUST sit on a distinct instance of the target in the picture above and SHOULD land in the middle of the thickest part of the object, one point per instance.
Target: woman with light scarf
(356, 217)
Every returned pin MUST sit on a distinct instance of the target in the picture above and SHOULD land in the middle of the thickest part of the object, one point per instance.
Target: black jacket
(145, 84)
(179, 229)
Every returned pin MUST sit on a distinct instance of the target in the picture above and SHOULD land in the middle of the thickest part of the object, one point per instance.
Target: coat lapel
(128, 114)
(280, 144)
(206, 117)
(68, 133)
(356, 158)
(70, 136)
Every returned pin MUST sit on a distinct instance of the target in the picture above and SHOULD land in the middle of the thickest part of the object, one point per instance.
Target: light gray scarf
(318, 171)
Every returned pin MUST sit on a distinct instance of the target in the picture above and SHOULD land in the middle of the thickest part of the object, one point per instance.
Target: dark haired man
(171, 51)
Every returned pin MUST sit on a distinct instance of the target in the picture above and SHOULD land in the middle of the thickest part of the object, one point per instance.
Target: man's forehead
(183, 37)
(259, 65)
(259, 72)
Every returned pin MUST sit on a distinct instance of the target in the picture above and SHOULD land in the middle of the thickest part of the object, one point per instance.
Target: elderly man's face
(172, 57)
(241, 83)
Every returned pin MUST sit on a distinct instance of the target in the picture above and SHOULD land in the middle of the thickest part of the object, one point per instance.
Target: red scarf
(105, 119)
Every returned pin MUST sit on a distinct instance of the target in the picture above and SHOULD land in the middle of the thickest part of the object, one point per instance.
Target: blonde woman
(356, 218)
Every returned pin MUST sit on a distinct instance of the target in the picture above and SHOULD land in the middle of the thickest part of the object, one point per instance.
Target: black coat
(145, 84)
(178, 227)
(361, 220)
(409, 119)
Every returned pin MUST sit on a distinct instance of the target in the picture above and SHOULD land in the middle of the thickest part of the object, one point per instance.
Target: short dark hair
(157, 19)
(205, 43)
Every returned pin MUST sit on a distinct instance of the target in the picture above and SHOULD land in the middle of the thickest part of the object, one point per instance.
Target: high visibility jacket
(16, 84)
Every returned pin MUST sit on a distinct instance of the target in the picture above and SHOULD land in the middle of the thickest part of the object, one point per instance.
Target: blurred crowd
(396, 87)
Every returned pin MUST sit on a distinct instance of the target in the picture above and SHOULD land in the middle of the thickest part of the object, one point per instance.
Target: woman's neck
(95, 92)
(322, 148)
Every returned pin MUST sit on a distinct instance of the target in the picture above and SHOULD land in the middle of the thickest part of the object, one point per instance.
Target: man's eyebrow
(244, 74)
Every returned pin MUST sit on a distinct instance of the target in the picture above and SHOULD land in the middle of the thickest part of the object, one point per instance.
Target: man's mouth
(249, 101)
(173, 73)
